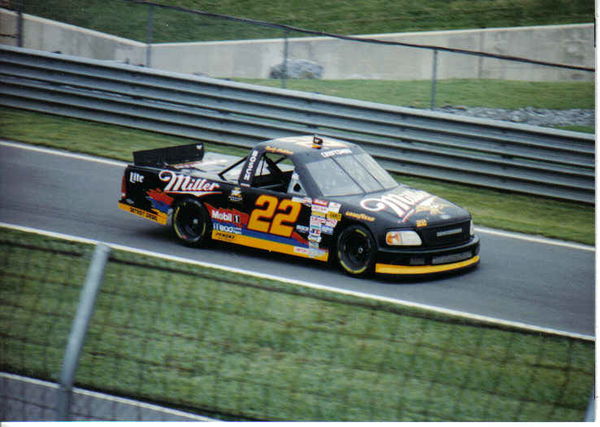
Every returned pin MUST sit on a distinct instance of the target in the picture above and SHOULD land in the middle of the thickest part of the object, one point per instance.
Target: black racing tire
(356, 249)
(191, 223)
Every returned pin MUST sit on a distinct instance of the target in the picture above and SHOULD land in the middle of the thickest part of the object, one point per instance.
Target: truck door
(278, 207)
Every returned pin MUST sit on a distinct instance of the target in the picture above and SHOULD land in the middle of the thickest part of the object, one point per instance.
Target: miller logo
(402, 204)
(183, 184)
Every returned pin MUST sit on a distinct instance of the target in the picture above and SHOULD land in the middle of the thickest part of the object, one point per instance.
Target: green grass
(471, 93)
(577, 128)
(527, 214)
(342, 16)
(516, 212)
(113, 142)
(244, 348)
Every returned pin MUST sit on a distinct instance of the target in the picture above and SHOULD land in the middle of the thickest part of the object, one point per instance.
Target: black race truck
(317, 198)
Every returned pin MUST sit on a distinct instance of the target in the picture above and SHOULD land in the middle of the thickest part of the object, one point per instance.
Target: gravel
(528, 115)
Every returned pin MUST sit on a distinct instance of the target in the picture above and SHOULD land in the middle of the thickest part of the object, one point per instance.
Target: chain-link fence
(231, 346)
(28, 399)
(507, 69)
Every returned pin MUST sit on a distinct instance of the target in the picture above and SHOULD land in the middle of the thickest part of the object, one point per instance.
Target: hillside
(127, 19)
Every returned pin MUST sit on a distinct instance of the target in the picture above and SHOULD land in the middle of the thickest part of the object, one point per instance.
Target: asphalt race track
(519, 279)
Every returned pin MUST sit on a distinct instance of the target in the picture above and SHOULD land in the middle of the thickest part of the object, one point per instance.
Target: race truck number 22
(274, 216)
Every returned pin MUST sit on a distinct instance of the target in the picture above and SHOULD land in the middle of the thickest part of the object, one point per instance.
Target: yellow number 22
(273, 216)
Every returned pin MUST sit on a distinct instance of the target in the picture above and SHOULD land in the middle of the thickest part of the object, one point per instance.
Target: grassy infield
(274, 351)
(226, 344)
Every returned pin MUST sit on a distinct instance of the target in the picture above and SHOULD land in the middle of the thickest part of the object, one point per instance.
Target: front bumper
(417, 262)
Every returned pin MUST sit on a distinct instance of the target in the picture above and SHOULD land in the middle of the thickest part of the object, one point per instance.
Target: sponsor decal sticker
(136, 178)
(338, 152)
(317, 220)
(250, 165)
(360, 216)
(236, 195)
(228, 216)
(319, 209)
(159, 217)
(302, 229)
(334, 207)
(402, 204)
(226, 228)
(336, 216)
(278, 150)
(306, 201)
(177, 183)
(327, 230)
(310, 252)
(219, 235)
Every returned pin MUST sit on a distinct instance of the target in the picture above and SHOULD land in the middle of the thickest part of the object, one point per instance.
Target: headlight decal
(403, 238)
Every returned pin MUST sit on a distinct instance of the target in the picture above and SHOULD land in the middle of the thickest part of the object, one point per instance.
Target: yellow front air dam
(423, 269)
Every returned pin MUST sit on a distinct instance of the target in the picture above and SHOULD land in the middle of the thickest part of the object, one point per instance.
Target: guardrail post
(285, 59)
(434, 78)
(149, 35)
(590, 413)
(79, 328)
(20, 7)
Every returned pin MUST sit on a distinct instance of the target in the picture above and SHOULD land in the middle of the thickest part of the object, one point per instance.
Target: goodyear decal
(360, 216)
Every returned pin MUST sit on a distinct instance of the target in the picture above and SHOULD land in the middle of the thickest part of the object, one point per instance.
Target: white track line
(535, 239)
(405, 303)
(485, 230)
(67, 154)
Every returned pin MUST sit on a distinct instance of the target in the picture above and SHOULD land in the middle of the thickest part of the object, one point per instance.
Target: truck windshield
(349, 175)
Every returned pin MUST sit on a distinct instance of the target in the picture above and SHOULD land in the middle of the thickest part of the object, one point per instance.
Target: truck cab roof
(307, 147)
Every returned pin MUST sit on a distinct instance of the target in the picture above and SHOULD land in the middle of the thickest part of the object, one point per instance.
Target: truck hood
(411, 207)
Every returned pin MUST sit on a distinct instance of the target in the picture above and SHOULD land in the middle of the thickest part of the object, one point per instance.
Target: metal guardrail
(500, 155)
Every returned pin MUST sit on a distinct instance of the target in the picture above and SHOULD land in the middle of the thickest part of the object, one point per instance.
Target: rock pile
(297, 69)
(528, 115)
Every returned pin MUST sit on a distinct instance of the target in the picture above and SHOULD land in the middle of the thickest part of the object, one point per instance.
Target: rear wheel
(356, 250)
(191, 223)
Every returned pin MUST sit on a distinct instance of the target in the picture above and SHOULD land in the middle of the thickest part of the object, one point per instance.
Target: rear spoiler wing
(162, 157)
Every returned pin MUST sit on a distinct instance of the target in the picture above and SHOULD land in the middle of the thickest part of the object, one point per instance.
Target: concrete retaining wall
(52, 36)
(567, 44)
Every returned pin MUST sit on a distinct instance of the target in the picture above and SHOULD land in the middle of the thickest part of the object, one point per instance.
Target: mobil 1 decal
(227, 220)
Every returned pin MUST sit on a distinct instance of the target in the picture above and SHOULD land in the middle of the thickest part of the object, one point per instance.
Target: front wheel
(191, 223)
(356, 250)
